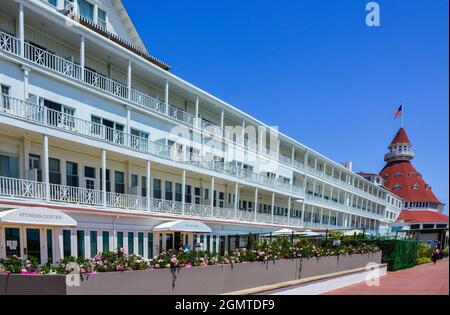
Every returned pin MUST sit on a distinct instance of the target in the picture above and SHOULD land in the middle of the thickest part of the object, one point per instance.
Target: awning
(183, 226)
(37, 216)
(283, 232)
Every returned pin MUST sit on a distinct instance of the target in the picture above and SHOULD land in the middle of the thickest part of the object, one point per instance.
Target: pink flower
(168, 266)
(188, 266)
(157, 266)
(174, 260)
(24, 272)
(203, 264)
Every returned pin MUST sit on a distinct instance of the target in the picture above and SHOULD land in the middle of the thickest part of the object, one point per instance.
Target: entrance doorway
(27, 243)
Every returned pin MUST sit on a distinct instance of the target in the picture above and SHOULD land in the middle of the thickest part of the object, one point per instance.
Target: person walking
(435, 255)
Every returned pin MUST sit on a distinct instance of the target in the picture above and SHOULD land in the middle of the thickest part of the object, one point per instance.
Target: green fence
(399, 254)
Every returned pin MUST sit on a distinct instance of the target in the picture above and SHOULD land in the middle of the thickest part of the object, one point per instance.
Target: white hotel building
(101, 146)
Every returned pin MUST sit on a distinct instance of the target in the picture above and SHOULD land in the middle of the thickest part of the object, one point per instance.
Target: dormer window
(101, 19)
(86, 10)
(416, 186)
(411, 174)
(398, 175)
(386, 176)
(398, 187)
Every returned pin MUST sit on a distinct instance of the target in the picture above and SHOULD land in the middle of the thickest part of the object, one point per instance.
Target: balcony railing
(72, 70)
(72, 124)
(31, 190)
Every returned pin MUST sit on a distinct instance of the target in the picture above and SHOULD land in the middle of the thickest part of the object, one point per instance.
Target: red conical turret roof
(401, 138)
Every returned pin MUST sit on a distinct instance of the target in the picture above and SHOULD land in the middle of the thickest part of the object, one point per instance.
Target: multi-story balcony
(54, 119)
(73, 71)
(95, 199)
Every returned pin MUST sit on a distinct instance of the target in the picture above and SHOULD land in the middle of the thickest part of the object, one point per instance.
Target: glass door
(12, 242)
(33, 244)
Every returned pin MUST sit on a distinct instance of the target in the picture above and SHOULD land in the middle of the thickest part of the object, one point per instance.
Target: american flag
(399, 112)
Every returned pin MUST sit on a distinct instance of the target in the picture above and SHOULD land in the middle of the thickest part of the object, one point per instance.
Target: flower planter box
(209, 280)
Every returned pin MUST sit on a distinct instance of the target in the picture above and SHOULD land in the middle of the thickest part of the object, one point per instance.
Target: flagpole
(403, 113)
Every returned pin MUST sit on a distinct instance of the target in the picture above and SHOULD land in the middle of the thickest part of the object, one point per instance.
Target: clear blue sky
(316, 70)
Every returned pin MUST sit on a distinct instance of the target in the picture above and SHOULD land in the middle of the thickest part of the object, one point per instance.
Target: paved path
(426, 279)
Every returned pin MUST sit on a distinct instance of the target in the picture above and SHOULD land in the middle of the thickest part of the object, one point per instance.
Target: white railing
(149, 102)
(181, 116)
(105, 84)
(9, 43)
(52, 61)
(76, 195)
(17, 188)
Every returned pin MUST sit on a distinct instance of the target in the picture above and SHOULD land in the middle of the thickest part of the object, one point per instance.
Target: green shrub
(423, 260)
(423, 252)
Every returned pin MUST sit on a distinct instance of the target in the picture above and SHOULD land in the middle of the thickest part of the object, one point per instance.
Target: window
(80, 244)
(178, 192)
(398, 175)
(108, 180)
(411, 174)
(67, 243)
(141, 244)
(206, 193)
(130, 243)
(139, 139)
(416, 186)
(168, 191)
(188, 197)
(150, 245)
(134, 180)
(101, 19)
(105, 238)
(54, 171)
(50, 245)
(86, 10)
(119, 182)
(144, 187)
(157, 189)
(113, 131)
(119, 240)
(9, 166)
(94, 244)
(398, 187)
(197, 193)
(89, 174)
(34, 163)
(5, 103)
(72, 174)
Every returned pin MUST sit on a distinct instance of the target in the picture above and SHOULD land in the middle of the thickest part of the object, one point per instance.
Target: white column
(166, 96)
(82, 56)
(129, 79)
(183, 192)
(256, 204)
(45, 173)
(26, 72)
(95, 14)
(60, 4)
(212, 193)
(273, 207)
(303, 213)
(293, 155)
(222, 121)
(75, 6)
(149, 166)
(21, 29)
(104, 177)
(197, 111)
(58, 244)
(128, 127)
(289, 208)
(236, 200)
(243, 132)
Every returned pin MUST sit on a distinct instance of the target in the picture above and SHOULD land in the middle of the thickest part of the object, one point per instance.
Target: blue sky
(316, 70)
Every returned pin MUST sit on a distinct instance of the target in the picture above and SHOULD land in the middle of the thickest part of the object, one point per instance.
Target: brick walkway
(426, 279)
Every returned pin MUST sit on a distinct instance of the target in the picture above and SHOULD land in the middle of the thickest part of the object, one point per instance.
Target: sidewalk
(426, 279)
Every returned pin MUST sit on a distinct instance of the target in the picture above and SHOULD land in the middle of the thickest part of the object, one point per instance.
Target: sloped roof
(422, 217)
(128, 23)
(400, 138)
(404, 174)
